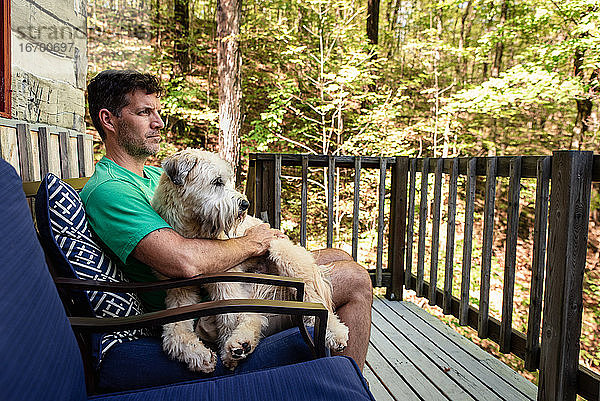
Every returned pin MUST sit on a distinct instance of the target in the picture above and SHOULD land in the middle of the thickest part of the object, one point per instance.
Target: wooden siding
(49, 62)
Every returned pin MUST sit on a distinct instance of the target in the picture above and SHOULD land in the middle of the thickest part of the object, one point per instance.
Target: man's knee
(351, 282)
(362, 281)
(330, 255)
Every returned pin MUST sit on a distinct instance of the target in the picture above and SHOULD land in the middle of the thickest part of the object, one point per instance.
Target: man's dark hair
(110, 89)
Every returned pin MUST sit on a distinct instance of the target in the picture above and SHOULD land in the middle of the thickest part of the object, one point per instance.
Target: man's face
(138, 127)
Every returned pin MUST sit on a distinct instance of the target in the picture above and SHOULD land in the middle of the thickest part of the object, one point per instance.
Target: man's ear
(106, 119)
(177, 167)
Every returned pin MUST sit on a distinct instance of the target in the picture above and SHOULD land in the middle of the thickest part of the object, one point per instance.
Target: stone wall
(49, 62)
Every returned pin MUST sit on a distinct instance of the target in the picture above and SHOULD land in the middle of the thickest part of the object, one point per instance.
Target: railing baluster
(304, 200)
(25, 149)
(381, 221)
(435, 235)
(411, 223)
(65, 163)
(44, 145)
(422, 228)
(488, 243)
(510, 257)
(397, 231)
(330, 189)
(277, 217)
(356, 207)
(538, 265)
(80, 155)
(450, 231)
(465, 284)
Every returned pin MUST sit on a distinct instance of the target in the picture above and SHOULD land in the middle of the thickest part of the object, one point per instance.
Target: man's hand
(259, 237)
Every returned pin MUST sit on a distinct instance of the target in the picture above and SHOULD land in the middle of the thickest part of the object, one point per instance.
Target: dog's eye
(218, 182)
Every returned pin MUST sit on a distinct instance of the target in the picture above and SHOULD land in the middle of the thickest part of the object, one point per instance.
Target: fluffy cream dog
(196, 196)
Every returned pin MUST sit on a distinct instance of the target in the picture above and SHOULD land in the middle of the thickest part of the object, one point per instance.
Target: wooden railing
(37, 149)
(562, 205)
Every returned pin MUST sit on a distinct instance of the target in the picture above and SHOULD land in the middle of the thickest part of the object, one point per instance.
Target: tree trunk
(181, 12)
(465, 32)
(229, 63)
(584, 105)
(393, 15)
(373, 21)
(497, 65)
(436, 61)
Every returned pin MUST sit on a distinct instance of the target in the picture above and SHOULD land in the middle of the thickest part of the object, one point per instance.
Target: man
(125, 109)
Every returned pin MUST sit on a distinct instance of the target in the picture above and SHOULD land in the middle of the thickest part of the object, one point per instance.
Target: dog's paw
(235, 350)
(336, 337)
(202, 360)
(192, 352)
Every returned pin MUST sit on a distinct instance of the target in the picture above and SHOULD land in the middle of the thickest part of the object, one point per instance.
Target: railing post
(251, 184)
(266, 206)
(260, 188)
(397, 231)
(567, 245)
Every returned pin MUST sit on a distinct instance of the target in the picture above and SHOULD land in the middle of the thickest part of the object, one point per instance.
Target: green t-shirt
(118, 206)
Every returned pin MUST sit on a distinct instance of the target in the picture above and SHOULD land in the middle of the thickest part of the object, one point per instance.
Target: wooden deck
(414, 356)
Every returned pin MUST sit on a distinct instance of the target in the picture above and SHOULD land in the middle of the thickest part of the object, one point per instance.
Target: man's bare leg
(353, 298)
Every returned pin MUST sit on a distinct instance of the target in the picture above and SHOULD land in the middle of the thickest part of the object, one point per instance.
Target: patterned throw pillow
(68, 241)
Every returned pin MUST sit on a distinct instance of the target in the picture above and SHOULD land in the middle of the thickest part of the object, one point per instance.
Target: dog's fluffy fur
(196, 196)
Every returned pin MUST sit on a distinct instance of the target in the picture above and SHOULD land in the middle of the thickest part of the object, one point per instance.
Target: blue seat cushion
(142, 363)
(74, 253)
(40, 356)
(332, 379)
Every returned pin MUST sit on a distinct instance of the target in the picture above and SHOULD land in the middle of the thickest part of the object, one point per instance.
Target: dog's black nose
(244, 205)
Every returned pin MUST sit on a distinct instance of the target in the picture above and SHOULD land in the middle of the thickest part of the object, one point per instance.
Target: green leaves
(520, 89)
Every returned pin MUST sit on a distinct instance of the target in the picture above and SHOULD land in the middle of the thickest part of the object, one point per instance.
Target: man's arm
(175, 256)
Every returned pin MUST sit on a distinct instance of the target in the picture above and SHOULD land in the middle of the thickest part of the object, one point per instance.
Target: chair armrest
(31, 187)
(292, 308)
(255, 278)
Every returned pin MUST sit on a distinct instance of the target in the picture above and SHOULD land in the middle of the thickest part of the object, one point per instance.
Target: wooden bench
(559, 249)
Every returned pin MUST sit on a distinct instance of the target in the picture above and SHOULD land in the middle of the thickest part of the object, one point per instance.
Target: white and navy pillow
(65, 235)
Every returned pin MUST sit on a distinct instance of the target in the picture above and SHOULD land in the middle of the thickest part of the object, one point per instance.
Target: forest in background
(429, 79)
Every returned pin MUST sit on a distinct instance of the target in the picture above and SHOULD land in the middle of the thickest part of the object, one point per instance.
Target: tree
(373, 21)
(229, 63)
(499, 50)
(181, 12)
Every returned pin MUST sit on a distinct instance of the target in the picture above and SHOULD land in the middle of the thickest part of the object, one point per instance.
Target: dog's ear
(177, 168)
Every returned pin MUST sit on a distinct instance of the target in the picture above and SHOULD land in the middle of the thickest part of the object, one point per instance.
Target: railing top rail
(528, 166)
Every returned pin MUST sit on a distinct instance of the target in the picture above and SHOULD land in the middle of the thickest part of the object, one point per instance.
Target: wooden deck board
(406, 368)
(433, 367)
(500, 369)
(413, 355)
(388, 377)
(377, 388)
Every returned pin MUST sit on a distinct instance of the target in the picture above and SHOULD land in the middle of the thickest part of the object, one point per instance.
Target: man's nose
(157, 122)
